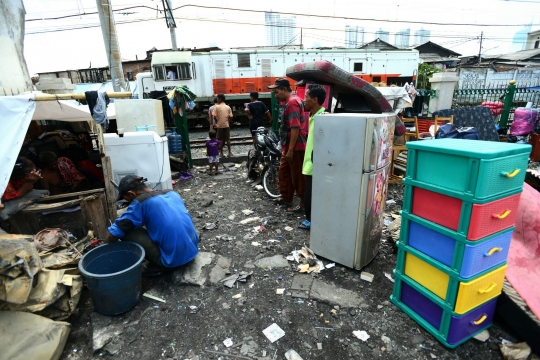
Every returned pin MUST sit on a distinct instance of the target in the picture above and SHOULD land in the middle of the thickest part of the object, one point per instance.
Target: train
(236, 73)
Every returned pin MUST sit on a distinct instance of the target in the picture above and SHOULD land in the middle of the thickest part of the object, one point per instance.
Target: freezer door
(337, 177)
(371, 215)
(379, 140)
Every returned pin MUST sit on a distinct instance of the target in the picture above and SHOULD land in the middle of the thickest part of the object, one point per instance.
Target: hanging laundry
(97, 103)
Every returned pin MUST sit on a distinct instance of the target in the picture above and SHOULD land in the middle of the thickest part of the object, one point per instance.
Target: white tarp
(395, 93)
(67, 110)
(15, 115)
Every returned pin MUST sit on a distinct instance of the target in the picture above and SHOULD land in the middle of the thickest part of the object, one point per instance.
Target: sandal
(146, 271)
(281, 202)
(294, 209)
(305, 225)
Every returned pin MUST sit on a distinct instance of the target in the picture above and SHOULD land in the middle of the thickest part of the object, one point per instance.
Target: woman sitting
(60, 175)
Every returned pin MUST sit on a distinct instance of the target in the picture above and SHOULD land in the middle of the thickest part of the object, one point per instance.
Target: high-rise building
(402, 38)
(383, 35)
(354, 36)
(279, 31)
(421, 36)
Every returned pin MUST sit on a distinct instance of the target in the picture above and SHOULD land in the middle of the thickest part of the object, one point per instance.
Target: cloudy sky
(76, 42)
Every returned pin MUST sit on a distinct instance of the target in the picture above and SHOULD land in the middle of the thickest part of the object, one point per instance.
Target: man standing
(223, 114)
(168, 237)
(171, 75)
(293, 132)
(315, 96)
(256, 111)
(211, 118)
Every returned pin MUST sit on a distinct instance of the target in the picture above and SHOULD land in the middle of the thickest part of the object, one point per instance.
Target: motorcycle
(263, 162)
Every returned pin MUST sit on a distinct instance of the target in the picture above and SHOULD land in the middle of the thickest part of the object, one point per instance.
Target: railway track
(237, 140)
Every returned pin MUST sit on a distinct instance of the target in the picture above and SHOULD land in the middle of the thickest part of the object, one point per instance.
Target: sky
(76, 42)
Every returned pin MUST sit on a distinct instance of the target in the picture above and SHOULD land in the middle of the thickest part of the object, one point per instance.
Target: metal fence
(421, 101)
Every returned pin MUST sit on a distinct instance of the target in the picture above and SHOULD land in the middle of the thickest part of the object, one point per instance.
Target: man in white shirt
(171, 75)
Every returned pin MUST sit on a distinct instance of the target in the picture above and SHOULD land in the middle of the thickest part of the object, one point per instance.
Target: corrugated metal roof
(515, 56)
(173, 57)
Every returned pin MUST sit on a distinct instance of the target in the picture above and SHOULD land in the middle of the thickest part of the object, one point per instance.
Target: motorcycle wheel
(251, 165)
(271, 186)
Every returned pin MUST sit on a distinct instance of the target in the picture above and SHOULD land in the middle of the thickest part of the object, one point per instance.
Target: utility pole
(301, 44)
(480, 50)
(112, 47)
(171, 24)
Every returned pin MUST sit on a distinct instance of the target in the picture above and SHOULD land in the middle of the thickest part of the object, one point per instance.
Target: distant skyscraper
(383, 35)
(354, 36)
(402, 38)
(520, 39)
(421, 36)
(279, 31)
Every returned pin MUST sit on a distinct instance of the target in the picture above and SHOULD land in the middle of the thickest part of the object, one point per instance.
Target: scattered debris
(231, 217)
(362, 335)
(255, 243)
(483, 336)
(209, 226)
(250, 220)
(390, 202)
(247, 212)
(385, 339)
(519, 351)
(237, 296)
(273, 332)
(280, 291)
(319, 346)
(292, 355)
(259, 188)
(394, 228)
(331, 265)
(389, 277)
(366, 276)
(153, 297)
(306, 257)
(225, 237)
(228, 342)
(288, 228)
(241, 276)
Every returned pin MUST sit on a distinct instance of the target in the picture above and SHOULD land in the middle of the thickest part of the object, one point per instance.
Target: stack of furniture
(458, 216)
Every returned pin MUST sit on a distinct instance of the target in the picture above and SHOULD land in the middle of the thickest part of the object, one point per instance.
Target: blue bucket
(113, 275)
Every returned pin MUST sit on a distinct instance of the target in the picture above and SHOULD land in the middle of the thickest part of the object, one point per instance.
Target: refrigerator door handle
(370, 196)
(376, 146)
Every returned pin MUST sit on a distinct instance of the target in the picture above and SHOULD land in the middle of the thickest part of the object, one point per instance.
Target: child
(212, 151)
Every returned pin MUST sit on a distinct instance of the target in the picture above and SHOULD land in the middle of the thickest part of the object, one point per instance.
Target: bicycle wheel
(271, 181)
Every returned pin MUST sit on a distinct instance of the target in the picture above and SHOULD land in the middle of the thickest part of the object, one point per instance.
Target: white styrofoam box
(139, 112)
(61, 86)
(49, 81)
(140, 153)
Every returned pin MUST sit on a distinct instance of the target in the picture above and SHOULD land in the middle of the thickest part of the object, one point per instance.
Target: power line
(298, 14)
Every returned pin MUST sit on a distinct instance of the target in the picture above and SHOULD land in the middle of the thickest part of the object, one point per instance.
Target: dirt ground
(155, 330)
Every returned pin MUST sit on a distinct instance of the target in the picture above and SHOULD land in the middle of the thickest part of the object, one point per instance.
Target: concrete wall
(14, 76)
(532, 38)
(484, 77)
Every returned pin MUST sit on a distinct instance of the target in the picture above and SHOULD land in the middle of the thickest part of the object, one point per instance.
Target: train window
(243, 60)
(358, 67)
(159, 72)
(376, 79)
(184, 72)
(194, 72)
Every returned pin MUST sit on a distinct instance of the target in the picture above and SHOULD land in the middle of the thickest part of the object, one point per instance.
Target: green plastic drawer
(467, 169)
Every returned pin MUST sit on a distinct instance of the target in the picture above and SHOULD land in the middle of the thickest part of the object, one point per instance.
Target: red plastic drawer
(438, 208)
(494, 216)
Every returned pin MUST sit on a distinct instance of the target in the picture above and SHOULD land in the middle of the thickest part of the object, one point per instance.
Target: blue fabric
(478, 117)
(168, 223)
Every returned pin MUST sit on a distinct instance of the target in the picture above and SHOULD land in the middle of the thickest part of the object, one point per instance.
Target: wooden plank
(109, 188)
(55, 97)
(97, 215)
(38, 208)
(65, 196)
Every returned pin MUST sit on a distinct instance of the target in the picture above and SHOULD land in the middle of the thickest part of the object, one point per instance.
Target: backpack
(451, 131)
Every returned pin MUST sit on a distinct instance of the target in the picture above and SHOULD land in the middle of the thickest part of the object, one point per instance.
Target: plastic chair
(423, 125)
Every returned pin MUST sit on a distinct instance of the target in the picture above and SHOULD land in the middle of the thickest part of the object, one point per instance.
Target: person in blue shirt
(168, 237)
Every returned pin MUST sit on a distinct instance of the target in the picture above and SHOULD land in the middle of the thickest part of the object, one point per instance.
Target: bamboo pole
(54, 97)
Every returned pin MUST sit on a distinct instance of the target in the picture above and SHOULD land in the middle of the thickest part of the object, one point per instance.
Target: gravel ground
(170, 330)
(203, 134)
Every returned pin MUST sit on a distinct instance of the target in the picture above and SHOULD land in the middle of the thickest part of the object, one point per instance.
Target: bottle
(175, 142)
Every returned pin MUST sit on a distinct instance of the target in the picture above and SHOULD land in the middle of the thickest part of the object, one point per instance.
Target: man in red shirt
(293, 133)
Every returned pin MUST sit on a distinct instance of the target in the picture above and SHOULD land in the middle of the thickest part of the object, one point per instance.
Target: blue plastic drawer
(468, 258)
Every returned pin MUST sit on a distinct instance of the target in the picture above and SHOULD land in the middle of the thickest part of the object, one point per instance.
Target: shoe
(305, 225)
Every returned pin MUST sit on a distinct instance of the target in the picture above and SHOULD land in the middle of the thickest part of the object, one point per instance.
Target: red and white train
(236, 73)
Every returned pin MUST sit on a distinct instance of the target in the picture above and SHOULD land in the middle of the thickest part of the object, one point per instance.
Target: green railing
(475, 97)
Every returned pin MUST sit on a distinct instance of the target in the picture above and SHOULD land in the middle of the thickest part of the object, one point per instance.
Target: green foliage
(425, 71)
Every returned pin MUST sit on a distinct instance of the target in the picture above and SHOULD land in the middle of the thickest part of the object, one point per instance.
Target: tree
(425, 71)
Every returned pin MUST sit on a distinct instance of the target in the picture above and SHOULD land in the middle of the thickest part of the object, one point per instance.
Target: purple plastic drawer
(461, 327)
(464, 326)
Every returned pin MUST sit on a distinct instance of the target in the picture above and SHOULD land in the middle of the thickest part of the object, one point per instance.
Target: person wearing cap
(293, 131)
(168, 237)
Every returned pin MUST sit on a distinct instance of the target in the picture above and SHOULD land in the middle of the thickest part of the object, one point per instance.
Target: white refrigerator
(351, 166)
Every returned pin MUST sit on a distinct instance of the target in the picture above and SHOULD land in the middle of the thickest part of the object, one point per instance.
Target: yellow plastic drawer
(427, 275)
(477, 292)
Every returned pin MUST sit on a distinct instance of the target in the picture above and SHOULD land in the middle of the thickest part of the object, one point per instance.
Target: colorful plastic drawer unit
(474, 220)
(465, 258)
(470, 170)
(461, 295)
(448, 327)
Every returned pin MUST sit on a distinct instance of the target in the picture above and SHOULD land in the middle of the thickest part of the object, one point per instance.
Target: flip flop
(146, 271)
(295, 209)
(305, 225)
(281, 202)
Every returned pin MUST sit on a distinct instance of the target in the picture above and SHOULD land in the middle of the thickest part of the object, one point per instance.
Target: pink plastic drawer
(494, 216)
(473, 220)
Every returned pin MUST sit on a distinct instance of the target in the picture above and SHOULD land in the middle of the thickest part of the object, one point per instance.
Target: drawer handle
(501, 216)
(490, 252)
(510, 175)
(479, 321)
(489, 289)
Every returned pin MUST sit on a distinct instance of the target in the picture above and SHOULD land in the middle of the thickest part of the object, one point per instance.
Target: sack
(524, 121)
(451, 131)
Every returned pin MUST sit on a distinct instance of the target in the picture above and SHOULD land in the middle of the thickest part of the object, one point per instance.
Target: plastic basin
(113, 275)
